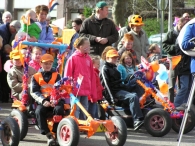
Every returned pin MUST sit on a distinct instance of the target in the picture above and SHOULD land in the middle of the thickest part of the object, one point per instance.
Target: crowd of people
(97, 51)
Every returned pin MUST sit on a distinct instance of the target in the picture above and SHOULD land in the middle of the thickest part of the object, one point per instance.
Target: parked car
(156, 38)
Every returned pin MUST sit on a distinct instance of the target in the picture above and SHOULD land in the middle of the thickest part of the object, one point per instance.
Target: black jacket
(35, 87)
(92, 28)
(113, 78)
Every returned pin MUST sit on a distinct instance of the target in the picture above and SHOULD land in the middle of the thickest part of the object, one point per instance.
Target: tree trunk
(9, 6)
(118, 11)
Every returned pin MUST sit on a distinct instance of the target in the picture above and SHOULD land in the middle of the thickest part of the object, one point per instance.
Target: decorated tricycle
(69, 127)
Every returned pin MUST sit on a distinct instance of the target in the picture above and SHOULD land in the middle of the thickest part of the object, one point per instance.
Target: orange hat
(47, 57)
(15, 54)
(136, 20)
(112, 53)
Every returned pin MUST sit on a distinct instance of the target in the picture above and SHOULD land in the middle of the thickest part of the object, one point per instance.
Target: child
(93, 106)
(34, 29)
(41, 86)
(36, 58)
(15, 75)
(81, 64)
(118, 89)
(154, 53)
(127, 46)
(126, 65)
(103, 56)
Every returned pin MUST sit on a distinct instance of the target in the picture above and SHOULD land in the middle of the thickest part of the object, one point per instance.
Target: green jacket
(169, 42)
(33, 30)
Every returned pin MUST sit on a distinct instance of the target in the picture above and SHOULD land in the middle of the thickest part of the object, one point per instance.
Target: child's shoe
(138, 124)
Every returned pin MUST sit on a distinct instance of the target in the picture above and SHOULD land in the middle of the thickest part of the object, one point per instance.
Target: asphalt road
(139, 138)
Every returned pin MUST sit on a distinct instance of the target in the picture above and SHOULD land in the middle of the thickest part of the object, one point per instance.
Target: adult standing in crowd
(6, 17)
(169, 46)
(6, 31)
(76, 25)
(122, 31)
(46, 35)
(100, 30)
(140, 43)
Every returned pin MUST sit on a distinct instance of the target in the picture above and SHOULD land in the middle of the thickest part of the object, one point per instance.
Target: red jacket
(99, 86)
(80, 63)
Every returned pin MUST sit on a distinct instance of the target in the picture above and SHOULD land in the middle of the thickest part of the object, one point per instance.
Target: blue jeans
(78, 113)
(92, 109)
(184, 90)
(132, 100)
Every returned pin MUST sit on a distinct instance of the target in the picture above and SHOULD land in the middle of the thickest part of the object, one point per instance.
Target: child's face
(33, 16)
(128, 61)
(16, 62)
(96, 64)
(112, 60)
(42, 16)
(36, 55)
(128, 44)
(47, 65)
(85, 48)
(157, 49)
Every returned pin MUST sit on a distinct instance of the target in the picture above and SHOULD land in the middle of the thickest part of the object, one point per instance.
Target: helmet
(136, 20)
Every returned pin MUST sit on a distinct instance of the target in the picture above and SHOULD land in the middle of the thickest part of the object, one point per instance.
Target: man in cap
(100, 30)
(140, 43)
(6, 31)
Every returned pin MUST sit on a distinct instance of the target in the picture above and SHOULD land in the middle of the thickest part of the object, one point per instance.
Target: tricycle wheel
(10, 134)
(119, 136)
(190, 123)
(157, 122)
(68, 132)
(22, 121)
(101, 112)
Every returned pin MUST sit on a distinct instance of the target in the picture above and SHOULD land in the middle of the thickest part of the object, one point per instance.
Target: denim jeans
(132, 100)
(184, 90)
(92, 109)
(78, 113)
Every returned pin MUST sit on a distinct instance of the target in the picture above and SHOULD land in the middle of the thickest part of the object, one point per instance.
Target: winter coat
(14, 79)
(126, 71)
(92, 28)
(186, 45)
(140, 44)
(81, 64)
(113, 78)
(169, 42)
(34, 64)
(99, 86)
(46, 35)
(33, 29)
(36, 89)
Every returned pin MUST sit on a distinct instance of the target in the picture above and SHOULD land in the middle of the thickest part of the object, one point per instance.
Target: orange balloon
(163, 87)
(154, 66)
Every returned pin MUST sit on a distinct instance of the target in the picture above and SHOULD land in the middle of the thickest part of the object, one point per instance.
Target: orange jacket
(45, 87)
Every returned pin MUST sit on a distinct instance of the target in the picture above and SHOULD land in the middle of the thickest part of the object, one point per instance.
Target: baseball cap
(15, 54)
(112, 53)
(16, 24)
(101, 4)
(47, 57)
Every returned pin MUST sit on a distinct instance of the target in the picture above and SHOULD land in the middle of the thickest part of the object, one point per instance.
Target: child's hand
(46, 104)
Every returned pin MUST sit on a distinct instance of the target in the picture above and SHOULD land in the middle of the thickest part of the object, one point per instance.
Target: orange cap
(112, 53)
(15, 54)
(47, 57)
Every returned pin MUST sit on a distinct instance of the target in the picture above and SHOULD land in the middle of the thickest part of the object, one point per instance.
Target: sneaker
(138, 124)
